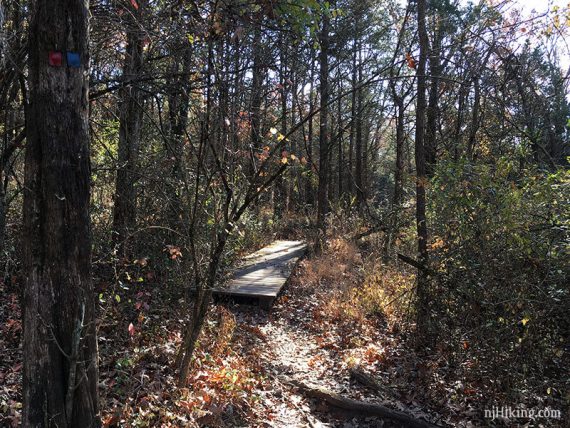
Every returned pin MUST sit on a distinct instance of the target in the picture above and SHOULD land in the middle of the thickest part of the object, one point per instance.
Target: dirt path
(289, 351)
(285, 352)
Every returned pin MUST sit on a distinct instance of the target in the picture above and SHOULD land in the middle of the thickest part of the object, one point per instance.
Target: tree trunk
(474, 125)
(201, 306)
(280, 200)
(256, 97)
(399, 172)
(462, 95)
(340, 160)
(421, 178)
(130, 120)
(2, 213)
(353, 112)
(322, 195)
(432, 112)
(178, 105)
(60, 347)
(309, 194)
(294, 182)
(358, 148)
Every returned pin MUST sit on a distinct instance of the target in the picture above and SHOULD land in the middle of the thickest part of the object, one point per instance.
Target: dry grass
(355, 290)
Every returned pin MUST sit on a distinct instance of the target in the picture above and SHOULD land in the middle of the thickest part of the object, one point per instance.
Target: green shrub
(500, 238)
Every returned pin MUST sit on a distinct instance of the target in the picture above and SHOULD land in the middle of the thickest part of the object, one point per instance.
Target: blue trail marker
(73, 59)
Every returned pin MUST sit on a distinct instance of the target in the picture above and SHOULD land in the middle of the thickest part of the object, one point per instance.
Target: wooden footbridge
(264, 273)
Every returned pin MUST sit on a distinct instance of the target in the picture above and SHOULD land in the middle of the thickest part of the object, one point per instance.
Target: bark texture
(60, 346)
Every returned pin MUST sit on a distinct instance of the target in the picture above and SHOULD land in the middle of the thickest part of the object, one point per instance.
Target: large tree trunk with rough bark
(60, 346)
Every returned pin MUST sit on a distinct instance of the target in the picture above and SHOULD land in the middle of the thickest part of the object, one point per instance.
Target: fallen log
(361, 407)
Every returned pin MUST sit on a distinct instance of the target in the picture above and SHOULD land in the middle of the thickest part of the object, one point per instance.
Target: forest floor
(241, 369)
(296, 348)
(316, 333)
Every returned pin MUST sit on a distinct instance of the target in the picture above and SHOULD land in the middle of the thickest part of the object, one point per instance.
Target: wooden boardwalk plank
(265, 272)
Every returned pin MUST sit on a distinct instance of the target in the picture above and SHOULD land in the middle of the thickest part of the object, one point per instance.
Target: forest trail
(290, 351)
(286, 353)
